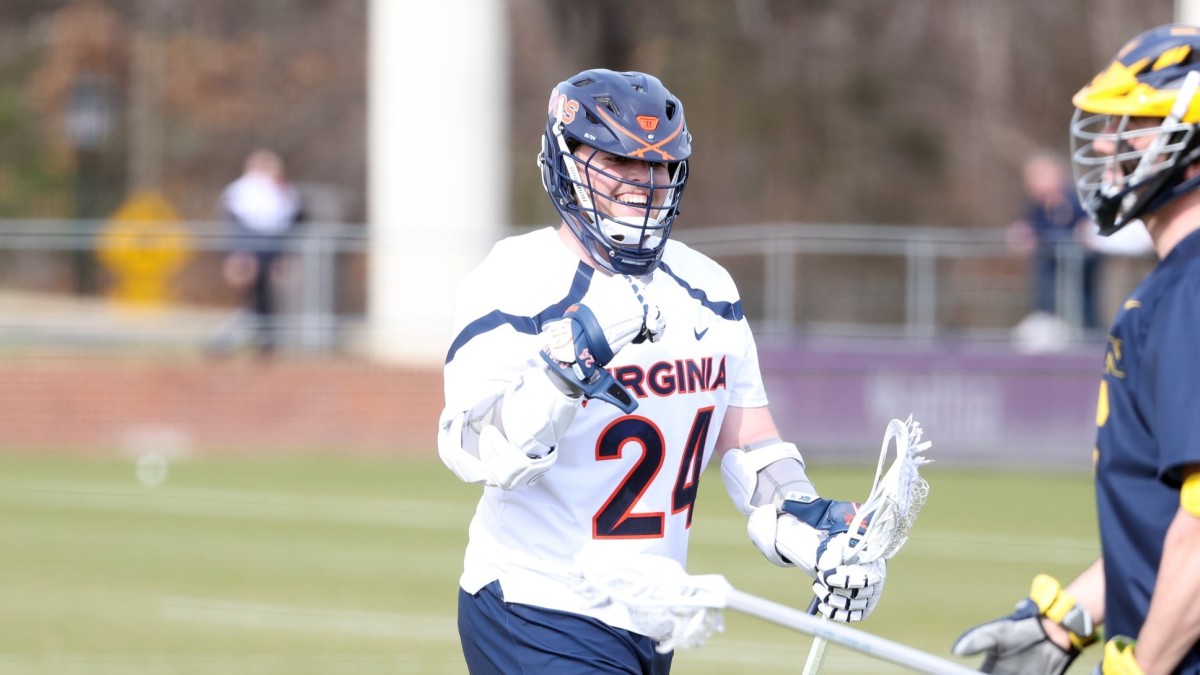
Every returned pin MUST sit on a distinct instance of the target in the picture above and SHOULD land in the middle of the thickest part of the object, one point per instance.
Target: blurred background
(858, 167)
(861, 168)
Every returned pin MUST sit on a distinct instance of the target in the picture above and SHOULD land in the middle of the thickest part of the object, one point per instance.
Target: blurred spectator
(1051, 234)
(262, 209)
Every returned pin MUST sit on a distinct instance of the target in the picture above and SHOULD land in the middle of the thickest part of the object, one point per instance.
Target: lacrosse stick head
(884, 519)
(664, 602)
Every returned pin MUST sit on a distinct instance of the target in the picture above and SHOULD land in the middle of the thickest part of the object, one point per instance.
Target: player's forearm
(758, 468)
(1172, 626)
(745, 426)
(1088, 589)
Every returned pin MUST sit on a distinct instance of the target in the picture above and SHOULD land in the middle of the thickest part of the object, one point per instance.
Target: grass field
(325, 565)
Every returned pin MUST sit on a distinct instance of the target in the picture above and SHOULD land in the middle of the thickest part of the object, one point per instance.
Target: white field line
(150, 663)
(741, 653)
(411, 627)
(946, 544)
(416, 627)
(236, 504)
(1002, 547)
(721, 531)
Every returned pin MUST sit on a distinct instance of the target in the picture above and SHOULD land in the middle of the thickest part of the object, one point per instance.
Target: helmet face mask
(1133, 134)
(1122, 166)
(599, 124)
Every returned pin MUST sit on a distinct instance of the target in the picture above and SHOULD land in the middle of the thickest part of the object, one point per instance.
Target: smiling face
(625, 189)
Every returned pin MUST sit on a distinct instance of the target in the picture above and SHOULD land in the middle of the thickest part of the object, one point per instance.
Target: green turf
(302, 566)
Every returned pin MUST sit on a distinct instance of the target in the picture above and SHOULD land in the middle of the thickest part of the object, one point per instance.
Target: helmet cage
(621, 244)
(1119, 185)
(1133, 134)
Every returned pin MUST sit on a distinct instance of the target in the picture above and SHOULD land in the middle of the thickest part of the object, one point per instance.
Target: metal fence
(150, 283)
(160, 284)
(901, 281)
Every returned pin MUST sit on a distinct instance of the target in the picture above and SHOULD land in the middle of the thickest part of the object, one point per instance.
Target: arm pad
(788, 522)
(765, 475)
(758, 480)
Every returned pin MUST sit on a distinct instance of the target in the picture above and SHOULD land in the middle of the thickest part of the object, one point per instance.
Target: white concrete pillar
(437, 152)
(1187, 11)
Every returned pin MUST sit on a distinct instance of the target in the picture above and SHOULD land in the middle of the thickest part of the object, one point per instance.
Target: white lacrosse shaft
(838, 633)
(681, 610)
(888, 512)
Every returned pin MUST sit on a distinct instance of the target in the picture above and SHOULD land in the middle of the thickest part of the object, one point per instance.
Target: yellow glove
(1060, 606)
(1017, 643)
(1118, 657)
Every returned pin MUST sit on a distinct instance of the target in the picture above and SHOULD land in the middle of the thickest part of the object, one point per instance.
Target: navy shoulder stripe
(529, 325)
(731, 311)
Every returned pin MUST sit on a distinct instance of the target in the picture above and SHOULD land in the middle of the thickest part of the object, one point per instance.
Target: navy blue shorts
(510, 639)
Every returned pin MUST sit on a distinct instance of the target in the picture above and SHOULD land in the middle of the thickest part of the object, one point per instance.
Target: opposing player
(595, 370)
(1137, 156)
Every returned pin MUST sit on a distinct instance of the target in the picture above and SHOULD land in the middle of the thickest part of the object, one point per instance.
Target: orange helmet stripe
(646, 147)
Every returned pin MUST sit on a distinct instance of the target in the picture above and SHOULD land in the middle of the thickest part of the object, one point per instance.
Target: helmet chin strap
(617, 226)
(568, 160)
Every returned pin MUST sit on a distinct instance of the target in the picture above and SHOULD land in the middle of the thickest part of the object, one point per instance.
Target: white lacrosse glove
(507, 466)
(1017, 644)
(613, 314)
(847, 592)
(809, 532)
(793, 534)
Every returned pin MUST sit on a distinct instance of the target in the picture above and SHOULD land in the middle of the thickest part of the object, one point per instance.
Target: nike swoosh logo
(700, 333)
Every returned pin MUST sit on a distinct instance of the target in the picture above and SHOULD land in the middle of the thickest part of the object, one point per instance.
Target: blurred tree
(824, 111)
(802, 110)
(76, 89)
(85, 43)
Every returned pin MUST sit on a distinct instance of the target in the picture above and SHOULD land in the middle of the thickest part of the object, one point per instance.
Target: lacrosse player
(1137, 157)
(596, 368)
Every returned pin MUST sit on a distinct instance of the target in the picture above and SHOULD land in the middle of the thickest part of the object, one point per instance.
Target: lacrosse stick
(681, 610)
(884, 519)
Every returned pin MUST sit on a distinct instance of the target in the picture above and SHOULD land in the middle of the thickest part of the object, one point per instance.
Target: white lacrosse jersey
(622, 484)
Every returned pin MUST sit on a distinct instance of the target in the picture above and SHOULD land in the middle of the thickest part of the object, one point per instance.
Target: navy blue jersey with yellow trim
(1149, 428)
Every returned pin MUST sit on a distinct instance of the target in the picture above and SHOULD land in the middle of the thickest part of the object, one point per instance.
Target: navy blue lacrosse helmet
(628, 115)
(1135, 129)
